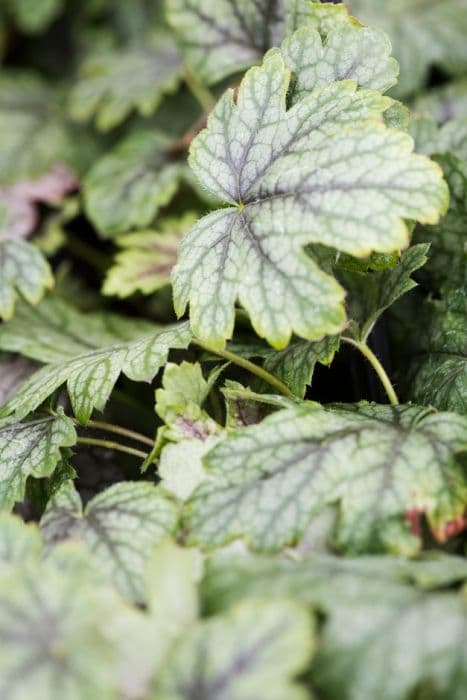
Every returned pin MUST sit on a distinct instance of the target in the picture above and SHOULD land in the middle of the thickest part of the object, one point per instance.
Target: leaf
(385, 466)
(24, 271)
(222, 37)
(422, 35)
(87, 351)
(444, 103)
(34, 16)
(322, 581)
(120, 527)
(30, 448)
(33, 138)
(259, 645)
(125, 188)
(179, 402)
(147, 259)
(437, 372)
(55, 641)
(114, 83)
(347, 51)
(369, 645)
(292, 193)
(18, 542)
(447, 266)
(372, 293)
(189, 430)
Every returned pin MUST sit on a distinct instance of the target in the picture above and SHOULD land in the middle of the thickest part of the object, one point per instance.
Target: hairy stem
(377, 366)
(109, 445)
(249, 366)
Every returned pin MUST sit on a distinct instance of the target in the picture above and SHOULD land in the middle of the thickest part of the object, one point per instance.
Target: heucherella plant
(233, 378)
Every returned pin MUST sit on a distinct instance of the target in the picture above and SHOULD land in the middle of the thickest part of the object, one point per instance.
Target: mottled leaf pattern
(386, 467)
(120, 527)
(293, 177)
(86, 351)
(30, 448)
(257, 645)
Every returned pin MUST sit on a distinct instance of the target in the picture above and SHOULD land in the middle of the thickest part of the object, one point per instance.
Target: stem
(249, 366)
(377, 366)
(109, 445)
(120, 430)
(199, 91)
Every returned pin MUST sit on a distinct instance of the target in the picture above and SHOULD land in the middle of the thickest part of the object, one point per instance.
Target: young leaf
(190, 430)
(125, 189)
(24, 272)
(114, 83)
(146, 261)
(295, 191)
(422, 35)
(386, 466)
(30, 448)
(119, 527)
(258, 645)
(87, 351)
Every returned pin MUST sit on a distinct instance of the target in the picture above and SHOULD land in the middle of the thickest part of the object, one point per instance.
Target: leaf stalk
(377, 366)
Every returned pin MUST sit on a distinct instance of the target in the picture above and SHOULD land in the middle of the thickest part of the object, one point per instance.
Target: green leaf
(54, 630)
(189, 429)
(120, 527)
(24, 272)
(114, 83)
(444, 103)
(125, 188)
(447, 266)
(34, 16)
(18, 542)
(347, 51)
(370, 646)
(437, 372)
(179, 402)
(258, 647)
(222, 37)
(386, 466)
(32, 136)
(295, 191)
(30, 448)
(87, 351)
(146, 261)
(422, 35)
(324, 580)
(372, 293)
